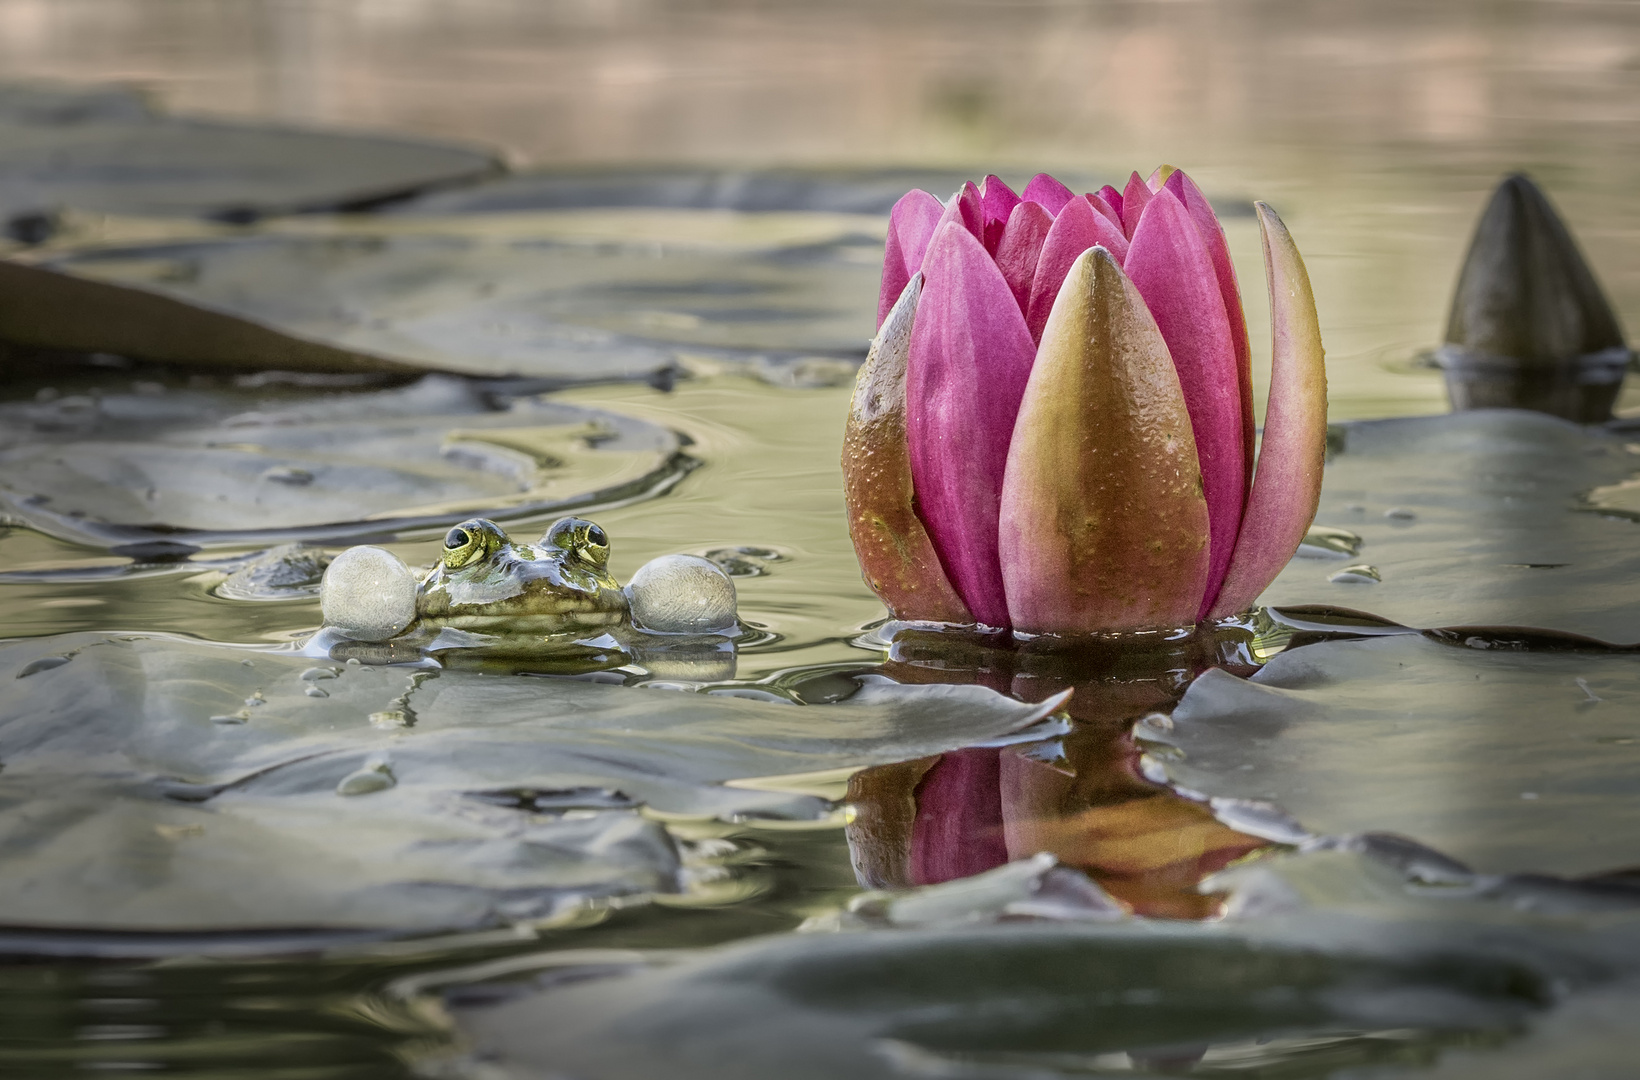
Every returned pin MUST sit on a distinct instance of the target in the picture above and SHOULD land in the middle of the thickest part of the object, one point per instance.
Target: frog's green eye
(579, 537)
(471, 541)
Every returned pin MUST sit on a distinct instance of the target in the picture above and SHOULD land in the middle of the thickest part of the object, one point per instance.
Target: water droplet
(1359, 574)
(1326, 542)
(232, 718)
(45, 663)
(255, 700)
(353, 661)
(314, 674)
(1400, 513)
(373, 776)
(314, 691)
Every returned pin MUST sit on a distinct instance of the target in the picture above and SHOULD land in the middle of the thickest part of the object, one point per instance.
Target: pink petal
(1103, 517)
(1212, 233)
(958, 828)
(1021, 247)
(1287, 486)
(1135, 197)
(970, 357)
(997, 200)
(1049, 192)
(1077, 228)
(968, 207)
(1158, 177)
(910, 225)
(1097, 201)
(1171, 266)
(1113, 199)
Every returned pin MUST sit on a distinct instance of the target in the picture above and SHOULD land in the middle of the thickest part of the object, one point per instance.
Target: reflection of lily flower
(1054, 430)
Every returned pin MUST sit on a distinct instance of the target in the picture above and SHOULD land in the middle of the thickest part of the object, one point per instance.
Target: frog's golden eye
(580, 537)
(470, 541)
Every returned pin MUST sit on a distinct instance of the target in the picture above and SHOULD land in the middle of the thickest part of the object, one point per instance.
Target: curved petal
(1135, 197)
(997, 200)
(1103, 524)
(1077, 228)
(1287, 486)
(1170, 265)
(1048, 192)
(1113, 199)
(1212, 233)
(896, 556)
(910, 226)
(1159, 176)
(1098, 202)
(1021, 247)
(970, 357)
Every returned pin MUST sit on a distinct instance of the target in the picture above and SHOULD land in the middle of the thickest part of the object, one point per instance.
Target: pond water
(1385, 828)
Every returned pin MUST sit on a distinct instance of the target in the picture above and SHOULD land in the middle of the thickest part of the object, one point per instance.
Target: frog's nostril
(456, 538)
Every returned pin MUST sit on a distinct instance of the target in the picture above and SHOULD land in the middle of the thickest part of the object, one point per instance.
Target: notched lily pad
(1506, 760)
(570, 296)
(211, 467)
(126, 804)
(1479, 518)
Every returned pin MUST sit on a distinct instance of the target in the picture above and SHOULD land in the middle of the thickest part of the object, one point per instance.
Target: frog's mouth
(557, 624)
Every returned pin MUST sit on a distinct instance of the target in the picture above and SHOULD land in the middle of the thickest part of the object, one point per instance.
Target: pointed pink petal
(1049, 192)
(1158, 177)
(1097, 201)
(897, 559)
(1212, 233)
(969, 206)
(958, 828)
(1287, 486)
(1021, 247)
(1113, 199)
(1170, 265)
(1135, 197)
(910, 225)
(970, 357)
(1103, 519)
(1077, 228)
(998, 201)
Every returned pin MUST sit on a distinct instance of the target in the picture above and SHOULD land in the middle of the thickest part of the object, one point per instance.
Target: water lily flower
(1053, 432)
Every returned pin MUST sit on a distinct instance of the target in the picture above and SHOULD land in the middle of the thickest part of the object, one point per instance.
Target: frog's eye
(578, 537)
(471, 541)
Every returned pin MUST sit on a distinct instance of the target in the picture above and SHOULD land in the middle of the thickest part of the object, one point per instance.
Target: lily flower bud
(1054, 430)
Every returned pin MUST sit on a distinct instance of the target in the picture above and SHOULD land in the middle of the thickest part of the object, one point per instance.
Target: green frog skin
(486, 583)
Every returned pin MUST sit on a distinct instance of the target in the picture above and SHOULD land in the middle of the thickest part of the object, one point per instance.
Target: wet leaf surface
(1507, 760)
(1479, 519)
(254, 463)
(159, 784)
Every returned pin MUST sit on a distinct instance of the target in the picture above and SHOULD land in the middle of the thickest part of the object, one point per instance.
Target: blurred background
(1374, 127)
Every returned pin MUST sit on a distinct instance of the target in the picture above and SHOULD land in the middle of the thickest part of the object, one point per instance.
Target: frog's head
(577, 539)
(473, 543)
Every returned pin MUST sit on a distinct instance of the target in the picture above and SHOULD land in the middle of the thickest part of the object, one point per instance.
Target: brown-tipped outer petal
(1104, 525)
(896, 556)
(1287, 482)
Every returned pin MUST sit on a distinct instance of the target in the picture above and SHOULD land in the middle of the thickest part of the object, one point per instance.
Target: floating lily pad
(994, 1002)
(249, 466)
(1480, 519)
(568, 296)
(104, 150)
(165, 785)
(1509, 761)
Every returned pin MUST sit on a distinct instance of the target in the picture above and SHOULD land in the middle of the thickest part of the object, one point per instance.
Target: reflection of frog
(487, 583)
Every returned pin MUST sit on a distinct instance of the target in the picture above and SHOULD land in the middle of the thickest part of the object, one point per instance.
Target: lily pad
(105, 150)
(568, 296)
(249, 466)
(1480, 519)
(160, 784)
(1506, 760)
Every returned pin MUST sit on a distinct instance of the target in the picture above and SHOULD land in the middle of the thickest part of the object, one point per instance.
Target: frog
(486, 582)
